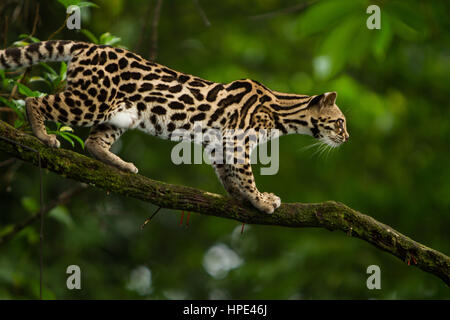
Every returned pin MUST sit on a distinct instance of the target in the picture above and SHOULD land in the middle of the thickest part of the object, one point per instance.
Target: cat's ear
(329, 99)
(324, 100)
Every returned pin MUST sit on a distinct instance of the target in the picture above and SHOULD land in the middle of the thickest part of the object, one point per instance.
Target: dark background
(392, 85)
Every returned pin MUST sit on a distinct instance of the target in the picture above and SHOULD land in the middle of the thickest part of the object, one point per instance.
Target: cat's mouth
(334, 142)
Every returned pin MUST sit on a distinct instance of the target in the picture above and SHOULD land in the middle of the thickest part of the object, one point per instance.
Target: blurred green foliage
(392, 84)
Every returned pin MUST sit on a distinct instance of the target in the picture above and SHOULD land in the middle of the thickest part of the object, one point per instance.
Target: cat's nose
(346, 136)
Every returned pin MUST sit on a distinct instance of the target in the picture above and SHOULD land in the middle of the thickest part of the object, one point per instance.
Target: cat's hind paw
(267, 202)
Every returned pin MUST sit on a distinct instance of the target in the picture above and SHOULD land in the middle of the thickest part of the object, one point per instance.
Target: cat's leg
(224, 175)
(38, 111)
(99, 142)
(239, 181)
(66, 108)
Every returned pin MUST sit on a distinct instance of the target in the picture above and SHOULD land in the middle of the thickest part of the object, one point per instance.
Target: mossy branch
(329, 215)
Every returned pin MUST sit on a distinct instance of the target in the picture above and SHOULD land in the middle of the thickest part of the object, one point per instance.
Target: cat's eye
(339, 126)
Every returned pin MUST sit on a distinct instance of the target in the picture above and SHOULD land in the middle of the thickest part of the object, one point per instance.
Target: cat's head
(327, 122)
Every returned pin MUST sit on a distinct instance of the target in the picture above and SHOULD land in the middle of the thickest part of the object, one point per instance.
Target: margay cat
(112, 90)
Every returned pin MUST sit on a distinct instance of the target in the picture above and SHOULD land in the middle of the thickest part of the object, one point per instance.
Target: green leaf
(66, 128)
(108, 39)
(61, 214)
(383, 37)
(408, 14)
(65, 136)
(41, 79)
(23, 89)
(409, 23)
(48, 68)
(6, 229)
(17, 106)
(30, 234)
(361, 43)
(77, 138)
(26, 36)
(5, 81)
(53, 79)
(7, 102)
(36, 78)
(67, 3)
(18, 123)
(63, 71)
(30, 204)
(83, 4)
(336, 44)
(79, 3)
(90, 35)
(325, 14)
(20, 43)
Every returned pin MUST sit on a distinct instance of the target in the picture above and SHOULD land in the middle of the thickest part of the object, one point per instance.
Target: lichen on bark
(330, 215)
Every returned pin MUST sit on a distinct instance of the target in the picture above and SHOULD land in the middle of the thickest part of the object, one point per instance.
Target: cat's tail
(52, 50)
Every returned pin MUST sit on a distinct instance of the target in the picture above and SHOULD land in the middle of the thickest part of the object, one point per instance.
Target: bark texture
(329, 215)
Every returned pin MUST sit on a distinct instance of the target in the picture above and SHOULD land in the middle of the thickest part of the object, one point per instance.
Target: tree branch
(329, 215)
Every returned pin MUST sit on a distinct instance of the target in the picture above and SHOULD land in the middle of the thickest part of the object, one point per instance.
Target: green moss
(330, 215)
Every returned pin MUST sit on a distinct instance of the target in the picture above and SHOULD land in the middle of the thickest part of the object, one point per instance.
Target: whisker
(310, 146)
(323, 148)
(320, 145)
(330, 149)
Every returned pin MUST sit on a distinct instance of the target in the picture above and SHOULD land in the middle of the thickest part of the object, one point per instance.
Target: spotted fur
(112, 90)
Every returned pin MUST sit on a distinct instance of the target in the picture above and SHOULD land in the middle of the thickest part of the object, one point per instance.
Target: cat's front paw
(129, 167)
(52, 141)
(267, 202)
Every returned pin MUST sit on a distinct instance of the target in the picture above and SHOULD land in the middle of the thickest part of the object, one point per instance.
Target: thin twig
(63, 199)
(154, 37)
(144, 26)
(202, 13)
(35, 23)
(27, 70)
(9, 175)
(7, 109)
(14, 89)
(41, 231)
(36, 20)
(7, 162)
(5, 31)
(149, 219)
(13, 93)
(13, 116)
(60, 28)
(296, 8)
(12, 73)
